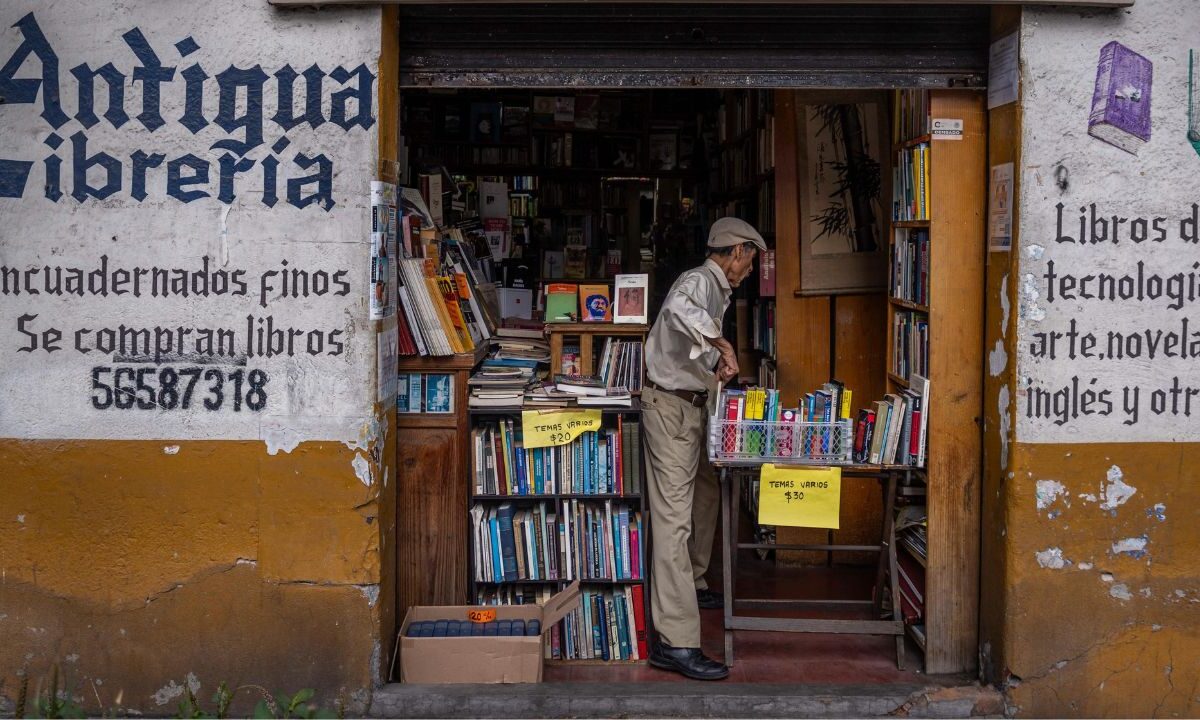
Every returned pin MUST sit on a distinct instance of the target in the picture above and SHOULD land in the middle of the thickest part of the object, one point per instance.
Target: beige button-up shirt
(679, 355)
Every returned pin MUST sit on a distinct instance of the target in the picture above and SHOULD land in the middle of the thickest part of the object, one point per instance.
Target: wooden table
(732, 473)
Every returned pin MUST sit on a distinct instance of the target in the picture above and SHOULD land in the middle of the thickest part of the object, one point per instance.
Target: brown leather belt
(695, 399)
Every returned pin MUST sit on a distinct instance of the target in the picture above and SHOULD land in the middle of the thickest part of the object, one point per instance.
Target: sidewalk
(687, 699)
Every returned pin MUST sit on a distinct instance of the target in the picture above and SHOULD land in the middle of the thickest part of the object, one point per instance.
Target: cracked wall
(152, 546)
(1090, 525)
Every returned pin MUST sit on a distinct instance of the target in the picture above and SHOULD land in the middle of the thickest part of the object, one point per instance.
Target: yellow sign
(556, 427)
(800, 497)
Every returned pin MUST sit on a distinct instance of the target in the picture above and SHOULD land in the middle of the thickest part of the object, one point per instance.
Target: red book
(729, 432)
(639, 620)
(914, 437)
(635, 555)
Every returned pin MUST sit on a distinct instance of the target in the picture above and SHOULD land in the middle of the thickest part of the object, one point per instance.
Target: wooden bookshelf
(632, 498)
(587, 334)
(956, 247)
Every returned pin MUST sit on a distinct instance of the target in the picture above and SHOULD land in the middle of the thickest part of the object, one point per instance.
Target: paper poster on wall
(383, 250)
(1000, 208)
(1003, 71)
(387, 341)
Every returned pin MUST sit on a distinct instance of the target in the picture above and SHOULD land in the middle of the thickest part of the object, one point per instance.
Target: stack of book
(499, 383)
(593, 391)
(621, 364)
(893, 431)
(440, 307)
(603, 462)
(520, 344)
(577, 540)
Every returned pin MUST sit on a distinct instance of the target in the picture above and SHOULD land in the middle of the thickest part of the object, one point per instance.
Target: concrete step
(676, 700)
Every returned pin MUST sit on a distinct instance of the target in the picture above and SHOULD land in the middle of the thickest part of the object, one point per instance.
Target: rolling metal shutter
(702, 45)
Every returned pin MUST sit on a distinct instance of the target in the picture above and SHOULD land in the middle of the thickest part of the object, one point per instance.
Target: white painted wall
(323, 394)
(1060, 50)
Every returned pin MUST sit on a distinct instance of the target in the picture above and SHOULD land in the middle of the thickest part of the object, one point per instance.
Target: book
(575, 261)
(594, 303)
(630, 299)
(561, 302)
(581, 384)
(1121, 100)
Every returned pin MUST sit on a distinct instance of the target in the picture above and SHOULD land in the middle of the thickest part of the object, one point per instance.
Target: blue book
(602, 612)
(521, 486)
(508, 547)
(494, 531)
(539, 480)
(622, 624)
(598, 645)
(601, 465)
(616, 540)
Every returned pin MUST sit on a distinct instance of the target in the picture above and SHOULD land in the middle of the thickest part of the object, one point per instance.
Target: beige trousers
(684, 500)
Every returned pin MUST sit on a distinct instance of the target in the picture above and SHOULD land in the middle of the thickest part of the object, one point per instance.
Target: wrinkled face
(741, 265)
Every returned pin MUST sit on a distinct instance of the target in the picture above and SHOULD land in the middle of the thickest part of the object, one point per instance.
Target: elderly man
(686, 358)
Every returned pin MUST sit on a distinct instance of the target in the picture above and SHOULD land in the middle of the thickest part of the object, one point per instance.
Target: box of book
(751, 425)
(479, 643)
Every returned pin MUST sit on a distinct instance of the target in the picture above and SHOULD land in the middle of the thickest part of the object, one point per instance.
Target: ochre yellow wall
(132, 567)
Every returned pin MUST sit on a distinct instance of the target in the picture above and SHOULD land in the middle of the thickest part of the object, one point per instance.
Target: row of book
(910, 337)
(568, 540)
(756, 424)
(910, 266)
(742, 110)
(609, 624)
(523, 206)
(762, 331)
(441, 308)
(910, 115)
(894, 431)
(458, 154)
(598, 462)
(620, 364)
(910, 184)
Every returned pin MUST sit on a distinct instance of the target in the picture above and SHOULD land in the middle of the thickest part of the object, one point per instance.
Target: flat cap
(730, 231)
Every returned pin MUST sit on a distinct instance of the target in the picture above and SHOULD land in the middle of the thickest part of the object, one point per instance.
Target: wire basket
(819, 443)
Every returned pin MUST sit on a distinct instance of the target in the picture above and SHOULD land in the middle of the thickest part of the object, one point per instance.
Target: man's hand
(727, 371)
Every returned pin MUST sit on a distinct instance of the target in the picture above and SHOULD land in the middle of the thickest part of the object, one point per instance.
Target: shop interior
(544, 189)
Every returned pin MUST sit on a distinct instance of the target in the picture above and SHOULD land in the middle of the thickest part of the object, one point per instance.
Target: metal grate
(816, 442)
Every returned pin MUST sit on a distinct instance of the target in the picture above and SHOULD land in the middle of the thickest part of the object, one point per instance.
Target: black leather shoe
(709, 600)
(689, 662)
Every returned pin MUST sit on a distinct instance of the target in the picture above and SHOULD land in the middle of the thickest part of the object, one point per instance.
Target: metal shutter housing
(701, 45)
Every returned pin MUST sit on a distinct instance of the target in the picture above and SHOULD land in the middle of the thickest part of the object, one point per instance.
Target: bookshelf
(587, 333)
(934, 306)
(743, 185)
(576, 511)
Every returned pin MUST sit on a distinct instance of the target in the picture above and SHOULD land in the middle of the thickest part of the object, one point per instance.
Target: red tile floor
(781, 657)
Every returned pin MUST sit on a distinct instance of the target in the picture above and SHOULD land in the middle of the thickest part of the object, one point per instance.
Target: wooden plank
(802, 356)
(856, 627)
(431, 528)
(1072, 3)
(860, 361)
(957, 252)
(1004, 133)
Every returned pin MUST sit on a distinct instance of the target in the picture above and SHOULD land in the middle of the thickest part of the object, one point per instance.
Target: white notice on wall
(387, 340)
(946, 129)
(1003, 71)
(1000, 202)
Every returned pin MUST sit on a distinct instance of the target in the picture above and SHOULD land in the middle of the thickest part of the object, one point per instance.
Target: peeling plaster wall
(145, 548)
(1101, 584)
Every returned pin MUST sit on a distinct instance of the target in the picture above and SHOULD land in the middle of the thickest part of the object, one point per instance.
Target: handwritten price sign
(800, 497)
(547, 429)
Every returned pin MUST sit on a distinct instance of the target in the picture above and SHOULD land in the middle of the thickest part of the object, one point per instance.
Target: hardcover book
(1121, 102)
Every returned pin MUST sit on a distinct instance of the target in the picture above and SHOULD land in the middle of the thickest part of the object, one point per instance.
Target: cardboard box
(478, 659)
